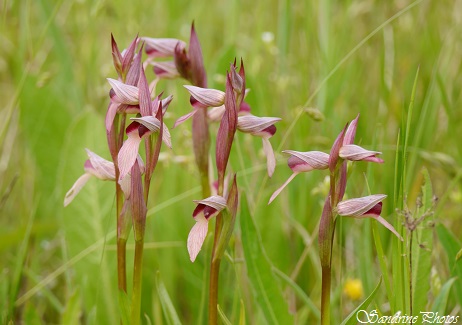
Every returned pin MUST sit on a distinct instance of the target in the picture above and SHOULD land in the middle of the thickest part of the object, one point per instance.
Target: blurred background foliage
(58, 265)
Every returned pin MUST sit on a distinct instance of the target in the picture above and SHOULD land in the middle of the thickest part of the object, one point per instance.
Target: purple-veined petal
(270, 158)
(166, 102)
(255, 125)
(153, 125)
(125, 185)
(75, 189)
(129, 151)
(128, 55)
(206, 96)
(110, 114)
(184, 118)
(351, 132)
(215, 202)
(216, 113)
(100, 167)
(133, 74)
(279, 190)
(308, 160)
(196, 237)
(357, 207)
(355, 153)
(166, 70)
(161, 47)
(126, 94)
(116, 56)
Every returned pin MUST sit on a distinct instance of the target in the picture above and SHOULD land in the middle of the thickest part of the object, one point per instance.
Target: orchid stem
(122, 263)
(214, 274)
(325, 296)
(137, 276)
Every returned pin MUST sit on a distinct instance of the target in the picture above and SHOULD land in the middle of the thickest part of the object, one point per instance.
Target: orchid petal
(196, 237)
(125, 185)
(359, 206)
(100, 167)
(334, 151)
(166, 70)
(215, 201)
(270, 158)
(128, 153)
(312, 159)
(216, 113)
(75, 189)
(196, 61)
(206, 96)
(279, 190)
(126, 94)
(388, 226)
(356, 153)
(153, 125)
(162, 47)
(254, 125)
(184, 118)
(110, 114)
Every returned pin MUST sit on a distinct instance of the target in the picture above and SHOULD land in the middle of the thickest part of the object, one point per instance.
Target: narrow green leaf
(299, 292)
(451, 246)
(422, 252)
(223, 317)
(124, 307)
(351, 319)
(266, 289)
(440, 303)
(167, 305)
(242, 314)
(72, 311)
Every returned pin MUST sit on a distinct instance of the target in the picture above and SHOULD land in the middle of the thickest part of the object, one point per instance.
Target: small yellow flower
(353, 289)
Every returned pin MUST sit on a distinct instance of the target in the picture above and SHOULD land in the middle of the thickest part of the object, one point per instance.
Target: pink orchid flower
(206, 209)
(366, 207)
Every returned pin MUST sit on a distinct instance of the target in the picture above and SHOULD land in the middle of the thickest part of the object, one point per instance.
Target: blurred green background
(58, 265)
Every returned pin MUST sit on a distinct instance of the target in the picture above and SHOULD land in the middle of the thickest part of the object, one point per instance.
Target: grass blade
(167, 305)
(266, 289)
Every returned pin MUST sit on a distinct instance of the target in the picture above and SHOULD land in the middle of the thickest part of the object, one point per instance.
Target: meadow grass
(397, 63)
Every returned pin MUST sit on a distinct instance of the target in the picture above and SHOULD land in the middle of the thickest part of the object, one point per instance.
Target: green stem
(325, 296)
(122, 263)
(137, 276)
(214, 273)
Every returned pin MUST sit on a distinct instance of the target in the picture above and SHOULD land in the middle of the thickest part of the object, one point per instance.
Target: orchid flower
(123, 61)
(95, 166)
(141, 127)
(206, 209)
(366, 207)
(300, 162)
(264, 128)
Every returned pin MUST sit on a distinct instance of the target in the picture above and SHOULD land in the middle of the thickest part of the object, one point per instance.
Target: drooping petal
(388, 226)
(206, 96)
(351, 132)
(100, 167)
(270, 158)
(255, 125)
(125, 185)
(216, 113)
(153, 125)
(161, 47)
(110, 114)
(356, 153)
(129, 151)
(357, 207)
(279, 190)
(307, 161)
(75, 189)
(166, 70)
(196, 237)
(126, 94)
(184, 118)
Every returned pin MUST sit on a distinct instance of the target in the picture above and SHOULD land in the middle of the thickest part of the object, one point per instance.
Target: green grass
(343, 58)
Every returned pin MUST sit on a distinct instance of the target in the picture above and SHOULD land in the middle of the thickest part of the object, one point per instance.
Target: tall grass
(341, 58)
